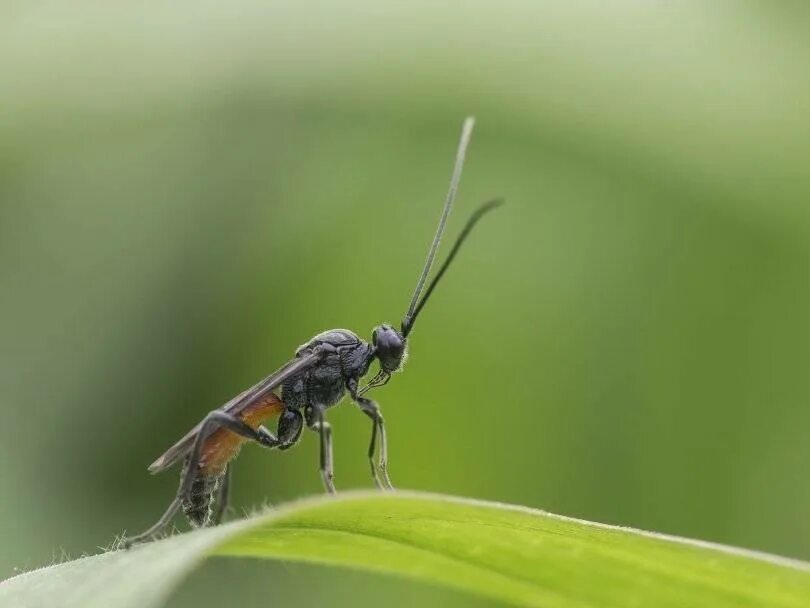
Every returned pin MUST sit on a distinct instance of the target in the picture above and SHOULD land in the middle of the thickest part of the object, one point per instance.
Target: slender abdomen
(199, 504)
(218, 450)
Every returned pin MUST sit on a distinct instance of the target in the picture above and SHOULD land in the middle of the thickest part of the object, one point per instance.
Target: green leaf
(518, 555)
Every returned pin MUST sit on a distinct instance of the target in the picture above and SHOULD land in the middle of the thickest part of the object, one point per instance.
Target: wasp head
(390, 347)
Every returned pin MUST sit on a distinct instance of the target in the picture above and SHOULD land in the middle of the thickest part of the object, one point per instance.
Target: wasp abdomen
(198, 506)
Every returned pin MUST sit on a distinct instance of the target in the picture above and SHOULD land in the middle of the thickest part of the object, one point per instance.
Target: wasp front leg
(379, 470)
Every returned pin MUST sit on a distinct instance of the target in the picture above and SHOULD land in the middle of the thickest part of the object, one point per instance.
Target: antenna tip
(486, 207)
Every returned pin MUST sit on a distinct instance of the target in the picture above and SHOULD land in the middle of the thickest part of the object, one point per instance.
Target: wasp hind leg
(223, 497)
(164, 521)
(213, 421)
(289, 428)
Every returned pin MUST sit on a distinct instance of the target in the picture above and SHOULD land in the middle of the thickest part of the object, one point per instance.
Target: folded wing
(239, 404)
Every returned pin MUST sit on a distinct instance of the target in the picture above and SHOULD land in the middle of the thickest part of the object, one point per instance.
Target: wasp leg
(316, 422)
(223, 497)
(213, 421)
(151, 532)
(379, 470)
(289, 428)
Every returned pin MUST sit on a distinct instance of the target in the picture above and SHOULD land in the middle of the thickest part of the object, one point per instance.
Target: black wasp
(317, 378)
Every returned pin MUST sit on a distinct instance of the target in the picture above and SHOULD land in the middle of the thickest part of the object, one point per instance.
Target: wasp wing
(241, 402)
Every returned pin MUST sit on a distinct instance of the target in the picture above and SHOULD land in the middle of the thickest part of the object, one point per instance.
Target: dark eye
(390, 340)
(390, 347)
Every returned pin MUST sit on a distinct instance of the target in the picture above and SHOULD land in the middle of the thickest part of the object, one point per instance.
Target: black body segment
(198, 503)
(346, 356)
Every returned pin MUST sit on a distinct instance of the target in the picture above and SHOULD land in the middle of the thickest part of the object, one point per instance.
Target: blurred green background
(189, 190)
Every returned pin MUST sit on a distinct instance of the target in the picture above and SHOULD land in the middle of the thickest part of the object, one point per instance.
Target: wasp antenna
(477, 215)
(466, 132)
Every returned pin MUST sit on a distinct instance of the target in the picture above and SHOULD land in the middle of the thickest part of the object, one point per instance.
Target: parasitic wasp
(299, 393)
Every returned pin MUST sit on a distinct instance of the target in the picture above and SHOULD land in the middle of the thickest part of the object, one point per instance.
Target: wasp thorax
(389, 346)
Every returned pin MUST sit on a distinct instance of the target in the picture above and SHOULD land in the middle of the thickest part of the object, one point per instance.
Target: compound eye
(390, 348)
(384, 336)
(389, 339)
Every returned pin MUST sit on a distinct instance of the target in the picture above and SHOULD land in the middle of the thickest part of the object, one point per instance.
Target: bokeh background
(189, 190)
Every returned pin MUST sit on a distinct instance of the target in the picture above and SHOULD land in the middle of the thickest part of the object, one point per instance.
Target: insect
(299, 393)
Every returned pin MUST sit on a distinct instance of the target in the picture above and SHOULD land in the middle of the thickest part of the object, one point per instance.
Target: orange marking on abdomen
(223, 445)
